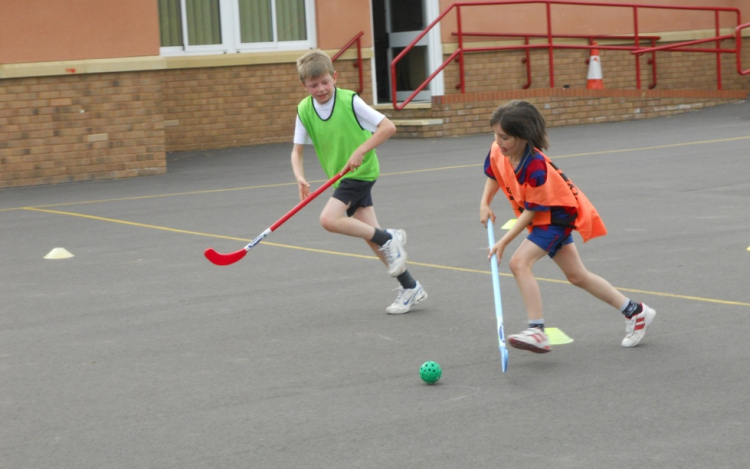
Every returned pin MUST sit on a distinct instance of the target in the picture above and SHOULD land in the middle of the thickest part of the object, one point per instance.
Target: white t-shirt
(368, 117)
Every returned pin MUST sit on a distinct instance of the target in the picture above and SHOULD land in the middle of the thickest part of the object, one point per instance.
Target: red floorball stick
(232, 257)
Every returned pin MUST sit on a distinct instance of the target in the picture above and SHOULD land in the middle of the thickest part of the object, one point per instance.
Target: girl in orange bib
(550, 207)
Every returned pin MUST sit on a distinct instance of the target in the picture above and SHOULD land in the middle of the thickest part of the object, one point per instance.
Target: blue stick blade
(504, 354)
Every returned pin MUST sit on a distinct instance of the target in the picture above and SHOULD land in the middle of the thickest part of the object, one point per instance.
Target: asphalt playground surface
(139, 353)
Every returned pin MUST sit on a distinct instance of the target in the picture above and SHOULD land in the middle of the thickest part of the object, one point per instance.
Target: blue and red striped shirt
(533, 171)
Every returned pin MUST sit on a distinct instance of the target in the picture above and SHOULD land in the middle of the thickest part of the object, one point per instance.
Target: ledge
(77, 67)
(135, 64)
(584, 93)
(412, 105)
(417, 122)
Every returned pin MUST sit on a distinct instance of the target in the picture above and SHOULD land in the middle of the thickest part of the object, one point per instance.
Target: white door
(405, 20)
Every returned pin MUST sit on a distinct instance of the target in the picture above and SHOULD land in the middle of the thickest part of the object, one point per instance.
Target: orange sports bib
(557, 191)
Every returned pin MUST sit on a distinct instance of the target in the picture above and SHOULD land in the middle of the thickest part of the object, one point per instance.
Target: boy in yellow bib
(345, 132)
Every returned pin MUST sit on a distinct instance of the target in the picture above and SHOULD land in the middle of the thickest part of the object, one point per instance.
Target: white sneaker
(394, 252)
(532, 339)
(635, 327)
(406, 299)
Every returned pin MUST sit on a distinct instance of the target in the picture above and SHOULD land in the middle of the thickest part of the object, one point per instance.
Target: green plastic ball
(430, 372)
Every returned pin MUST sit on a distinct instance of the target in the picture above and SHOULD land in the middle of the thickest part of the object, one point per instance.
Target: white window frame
(231, 34)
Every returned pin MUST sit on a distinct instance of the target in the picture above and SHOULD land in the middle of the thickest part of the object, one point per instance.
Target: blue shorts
(551, 238)
(355, 193)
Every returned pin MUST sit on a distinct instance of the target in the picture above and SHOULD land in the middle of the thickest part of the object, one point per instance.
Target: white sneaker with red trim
(532, 339)
(635, 327)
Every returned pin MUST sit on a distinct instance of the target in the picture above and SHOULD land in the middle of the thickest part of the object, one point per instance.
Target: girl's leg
(532, 339)
(520, 265)
(638, 316)
(570, 263)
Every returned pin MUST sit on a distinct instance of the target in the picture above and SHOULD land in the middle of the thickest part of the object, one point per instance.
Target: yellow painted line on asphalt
(194, 233)
(656, 147)
(631, 290)
(214, 191)
(398, 173)
(360, 256)
(155, 196)
(124, 222)
(427, 170)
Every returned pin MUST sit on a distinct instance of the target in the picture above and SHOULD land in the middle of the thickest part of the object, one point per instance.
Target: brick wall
(80, 128)
(469, 113)
(235, 106)
(111, 125)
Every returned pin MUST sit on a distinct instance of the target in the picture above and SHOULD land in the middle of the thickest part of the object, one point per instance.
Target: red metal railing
(550, 46)
(590, 38)
(358, 64)
(738, 40)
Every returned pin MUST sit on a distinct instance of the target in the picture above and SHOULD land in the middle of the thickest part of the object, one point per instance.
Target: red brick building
(97, 90)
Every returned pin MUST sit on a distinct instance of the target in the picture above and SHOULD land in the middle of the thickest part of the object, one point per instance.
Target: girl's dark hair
(522, 120)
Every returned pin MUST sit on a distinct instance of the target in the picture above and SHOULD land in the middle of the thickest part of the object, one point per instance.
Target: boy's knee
(327, 222)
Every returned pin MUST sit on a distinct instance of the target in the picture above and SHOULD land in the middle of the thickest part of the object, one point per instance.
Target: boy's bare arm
(385, 130)
(299, 171)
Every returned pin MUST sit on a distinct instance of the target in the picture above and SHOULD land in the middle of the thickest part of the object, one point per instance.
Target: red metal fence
(357, 39)
(550, 46)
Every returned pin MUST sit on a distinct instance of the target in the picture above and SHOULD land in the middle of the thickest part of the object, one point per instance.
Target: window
(228, 26)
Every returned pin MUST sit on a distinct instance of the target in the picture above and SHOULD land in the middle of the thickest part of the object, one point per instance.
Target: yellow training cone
(59, 253)
(556, 336)
(509, 224)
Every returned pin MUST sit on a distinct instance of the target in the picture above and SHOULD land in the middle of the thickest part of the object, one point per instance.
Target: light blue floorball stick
(498, 299)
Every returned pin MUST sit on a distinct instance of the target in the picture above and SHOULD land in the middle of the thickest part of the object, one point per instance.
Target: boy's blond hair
(314, 64)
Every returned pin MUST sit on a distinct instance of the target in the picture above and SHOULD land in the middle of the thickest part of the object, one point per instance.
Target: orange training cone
(595, 81)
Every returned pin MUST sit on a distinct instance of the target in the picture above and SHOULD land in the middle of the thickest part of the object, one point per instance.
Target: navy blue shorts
(551, 238)
(355, 193)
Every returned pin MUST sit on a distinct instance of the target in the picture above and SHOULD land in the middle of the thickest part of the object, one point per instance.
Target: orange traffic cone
(595, 81)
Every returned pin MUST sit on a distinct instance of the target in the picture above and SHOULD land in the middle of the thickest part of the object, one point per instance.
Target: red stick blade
(224, 259)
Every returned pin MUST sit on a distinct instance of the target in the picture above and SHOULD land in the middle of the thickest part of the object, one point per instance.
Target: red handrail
(358, 39)
(550, 46)
(591, 38)
(738, 40)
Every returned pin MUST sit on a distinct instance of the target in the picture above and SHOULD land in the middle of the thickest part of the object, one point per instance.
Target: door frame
(433, 41)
